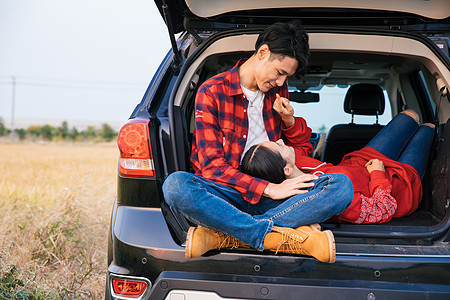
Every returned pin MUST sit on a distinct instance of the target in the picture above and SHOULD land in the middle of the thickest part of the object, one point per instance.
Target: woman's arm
(380, 206)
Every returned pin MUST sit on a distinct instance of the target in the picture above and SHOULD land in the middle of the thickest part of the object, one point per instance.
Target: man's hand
(374, 164)
(282, 106)
(289, 187)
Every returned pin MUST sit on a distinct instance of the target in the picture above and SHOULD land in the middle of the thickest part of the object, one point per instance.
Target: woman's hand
(289, 187)
(374, 164)
(282, 106)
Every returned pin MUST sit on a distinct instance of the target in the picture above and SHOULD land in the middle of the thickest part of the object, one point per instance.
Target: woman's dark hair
(287, 39)
(262, 162)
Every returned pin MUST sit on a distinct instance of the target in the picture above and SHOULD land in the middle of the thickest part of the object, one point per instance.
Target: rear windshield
(322, 115)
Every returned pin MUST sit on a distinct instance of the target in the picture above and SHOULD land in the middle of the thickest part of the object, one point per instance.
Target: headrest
(364, 99)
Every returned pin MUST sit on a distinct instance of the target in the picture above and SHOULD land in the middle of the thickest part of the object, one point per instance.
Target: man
(233, 111)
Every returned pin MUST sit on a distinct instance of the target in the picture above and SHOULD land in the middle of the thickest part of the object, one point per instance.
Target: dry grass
(55, 205)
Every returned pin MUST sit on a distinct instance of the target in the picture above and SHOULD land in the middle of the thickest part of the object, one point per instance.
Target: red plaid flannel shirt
(221, 128)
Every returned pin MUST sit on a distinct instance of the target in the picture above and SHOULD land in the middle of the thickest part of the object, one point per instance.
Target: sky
(90, 60)
(78, 59)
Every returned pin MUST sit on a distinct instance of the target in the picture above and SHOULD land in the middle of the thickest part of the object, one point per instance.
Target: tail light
(135, 151)
(128, 288)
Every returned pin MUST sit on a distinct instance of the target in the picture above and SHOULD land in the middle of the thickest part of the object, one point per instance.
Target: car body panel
(258, 287)
(438, 9)
(377, 261)
(360, 12)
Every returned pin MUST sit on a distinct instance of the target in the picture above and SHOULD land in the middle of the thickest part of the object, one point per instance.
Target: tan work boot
(312, 227)
(306, 240)
(325, 240)
(200, 240)
(315, 227)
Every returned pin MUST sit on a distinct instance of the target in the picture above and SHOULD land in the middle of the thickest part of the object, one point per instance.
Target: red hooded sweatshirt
(378, 196)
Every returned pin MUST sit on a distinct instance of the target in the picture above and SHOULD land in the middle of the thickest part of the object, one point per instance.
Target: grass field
(55, 205)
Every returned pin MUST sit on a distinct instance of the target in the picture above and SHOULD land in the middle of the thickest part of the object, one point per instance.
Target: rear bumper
(143, 247)
(225, 286)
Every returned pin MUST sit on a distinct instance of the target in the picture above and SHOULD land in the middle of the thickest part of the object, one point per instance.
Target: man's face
(272, 70)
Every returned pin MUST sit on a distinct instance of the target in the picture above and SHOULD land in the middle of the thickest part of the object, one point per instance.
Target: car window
(322, 115)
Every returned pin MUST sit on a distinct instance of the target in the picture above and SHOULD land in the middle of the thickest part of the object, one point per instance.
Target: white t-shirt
(256, 129)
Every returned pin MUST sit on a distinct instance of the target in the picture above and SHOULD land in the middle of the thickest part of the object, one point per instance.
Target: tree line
(61, 133)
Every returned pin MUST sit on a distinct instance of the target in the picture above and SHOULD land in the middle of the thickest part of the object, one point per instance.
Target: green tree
(21, 133)
(89, 133)
(107, 132)
(63, 130)
(47, 132)
(34, 130)
(73, 134)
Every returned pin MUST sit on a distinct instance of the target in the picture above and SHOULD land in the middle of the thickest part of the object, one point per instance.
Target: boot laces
(227, 241)
(289, 244)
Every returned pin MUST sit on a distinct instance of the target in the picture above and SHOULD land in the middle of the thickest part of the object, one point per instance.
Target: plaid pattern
(221, 129)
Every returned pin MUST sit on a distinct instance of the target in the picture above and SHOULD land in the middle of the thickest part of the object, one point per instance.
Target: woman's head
(268, 161)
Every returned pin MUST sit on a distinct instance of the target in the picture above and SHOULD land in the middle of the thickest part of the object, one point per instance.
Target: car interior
(372, 66)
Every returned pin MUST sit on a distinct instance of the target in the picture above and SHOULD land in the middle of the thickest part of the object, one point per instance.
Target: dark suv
(402, 49)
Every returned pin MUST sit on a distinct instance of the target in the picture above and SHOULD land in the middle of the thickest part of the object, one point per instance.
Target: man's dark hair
(287, 39)
(262, 162)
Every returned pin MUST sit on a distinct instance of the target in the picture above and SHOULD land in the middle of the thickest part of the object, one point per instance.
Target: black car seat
(361, 99)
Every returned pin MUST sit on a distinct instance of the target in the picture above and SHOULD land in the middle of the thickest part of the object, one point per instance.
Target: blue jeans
(404, 140)
(222, 208)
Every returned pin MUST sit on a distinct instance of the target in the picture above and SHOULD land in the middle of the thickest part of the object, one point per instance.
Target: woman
(386, 174)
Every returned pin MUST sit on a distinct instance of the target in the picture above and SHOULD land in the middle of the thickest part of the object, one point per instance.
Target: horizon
(24, 123)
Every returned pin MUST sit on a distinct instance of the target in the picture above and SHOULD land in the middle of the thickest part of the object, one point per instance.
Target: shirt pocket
(228, 133)
(230, 143)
